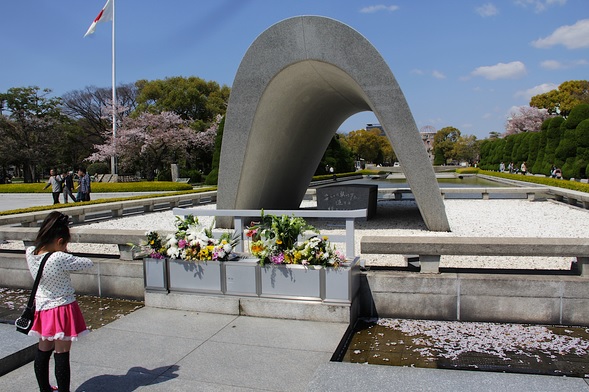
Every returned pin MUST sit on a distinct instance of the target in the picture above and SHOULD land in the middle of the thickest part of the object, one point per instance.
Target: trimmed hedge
(560, 142)
(574, 185)
(468, 170)
(341, 175)
(103, 187)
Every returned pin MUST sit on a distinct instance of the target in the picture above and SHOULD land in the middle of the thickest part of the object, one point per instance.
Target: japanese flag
(105, 15)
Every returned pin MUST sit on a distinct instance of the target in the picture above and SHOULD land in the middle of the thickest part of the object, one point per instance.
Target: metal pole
(113, 159)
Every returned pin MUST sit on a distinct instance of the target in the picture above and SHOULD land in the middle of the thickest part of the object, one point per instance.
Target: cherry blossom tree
(525, 119)
(151, 142)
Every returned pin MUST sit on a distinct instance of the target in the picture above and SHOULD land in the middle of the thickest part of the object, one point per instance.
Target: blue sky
(460, 63)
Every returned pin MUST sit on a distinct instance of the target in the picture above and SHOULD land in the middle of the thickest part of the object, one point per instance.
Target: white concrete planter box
(248, 279)
(155, 274)
(241, 277)
(291, 281)
(327, 284)
(342, 284)
(199, 276)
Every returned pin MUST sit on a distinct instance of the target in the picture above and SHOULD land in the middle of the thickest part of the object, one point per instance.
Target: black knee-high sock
(42, 369)
(62, 371)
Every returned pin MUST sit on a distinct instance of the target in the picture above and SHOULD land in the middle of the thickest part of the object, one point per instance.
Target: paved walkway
(169, 350)
(13, 201)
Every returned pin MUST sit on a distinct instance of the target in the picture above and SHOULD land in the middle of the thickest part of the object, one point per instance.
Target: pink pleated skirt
(64, 322)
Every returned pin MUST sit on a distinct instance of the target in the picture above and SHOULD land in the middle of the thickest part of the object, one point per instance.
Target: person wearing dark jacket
(68, 187)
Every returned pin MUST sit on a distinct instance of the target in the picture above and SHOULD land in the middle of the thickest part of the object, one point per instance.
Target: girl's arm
(74, 263)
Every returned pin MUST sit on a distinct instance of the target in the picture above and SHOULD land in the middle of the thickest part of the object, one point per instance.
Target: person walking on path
(68, 186)
(83, 185)
(55, 182)
(58, 318)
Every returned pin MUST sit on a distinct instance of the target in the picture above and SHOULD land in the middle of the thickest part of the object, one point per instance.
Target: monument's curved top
(297, 83)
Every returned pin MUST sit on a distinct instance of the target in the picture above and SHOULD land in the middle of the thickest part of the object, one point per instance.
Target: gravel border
(486, 218)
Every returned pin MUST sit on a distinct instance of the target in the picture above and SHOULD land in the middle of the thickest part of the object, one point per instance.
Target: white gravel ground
(487, 218)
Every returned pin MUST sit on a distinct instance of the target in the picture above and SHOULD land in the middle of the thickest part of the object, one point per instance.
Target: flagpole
(113, 159)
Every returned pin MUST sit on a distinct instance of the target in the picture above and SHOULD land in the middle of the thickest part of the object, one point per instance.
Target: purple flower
(277, 259)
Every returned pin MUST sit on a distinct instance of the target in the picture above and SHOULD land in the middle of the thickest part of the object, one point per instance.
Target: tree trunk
(29, 173)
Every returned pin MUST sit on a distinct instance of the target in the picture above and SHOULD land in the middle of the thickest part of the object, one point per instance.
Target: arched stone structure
(297, 83)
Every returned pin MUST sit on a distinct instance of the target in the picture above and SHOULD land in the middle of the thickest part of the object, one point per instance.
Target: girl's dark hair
(53, 227)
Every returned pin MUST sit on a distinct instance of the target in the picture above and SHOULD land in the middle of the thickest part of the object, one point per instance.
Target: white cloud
(513, 111)
(539, 5)
(487, 10)
(513, 70)
(554, 64)
(435, 73)
(438, 75)
(572, 37)
(377, 8)
(540, 89)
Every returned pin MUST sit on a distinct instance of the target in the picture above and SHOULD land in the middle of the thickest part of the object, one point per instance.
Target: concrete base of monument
(255, 307)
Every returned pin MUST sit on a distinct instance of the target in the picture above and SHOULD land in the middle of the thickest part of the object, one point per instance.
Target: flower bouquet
(191, 241)
(275, 240)
(154, 245)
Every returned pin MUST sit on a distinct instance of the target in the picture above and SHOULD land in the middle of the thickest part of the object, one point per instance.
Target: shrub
(164, 175)
(98, 168)
(212, 177)
(194, 175)
(578, 114)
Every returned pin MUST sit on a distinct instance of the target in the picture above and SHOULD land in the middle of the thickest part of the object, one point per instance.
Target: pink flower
(182, 244)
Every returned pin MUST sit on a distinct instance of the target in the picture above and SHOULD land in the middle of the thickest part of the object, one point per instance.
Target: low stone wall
(472, 297)
(556, 299)
(113, 278)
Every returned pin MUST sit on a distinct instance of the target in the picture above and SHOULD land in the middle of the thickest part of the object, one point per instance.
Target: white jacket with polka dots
(55, 288)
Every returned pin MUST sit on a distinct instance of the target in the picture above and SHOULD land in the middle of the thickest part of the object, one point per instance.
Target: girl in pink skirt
(58, 319)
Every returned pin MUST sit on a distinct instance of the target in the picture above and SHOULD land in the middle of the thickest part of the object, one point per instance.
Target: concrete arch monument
(297, 83)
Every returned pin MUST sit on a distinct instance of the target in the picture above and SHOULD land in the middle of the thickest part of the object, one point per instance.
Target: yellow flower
(203, 254)
(257, 247)
(279, 241)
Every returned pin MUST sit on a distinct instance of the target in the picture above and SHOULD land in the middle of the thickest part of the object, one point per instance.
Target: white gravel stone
(486, 218)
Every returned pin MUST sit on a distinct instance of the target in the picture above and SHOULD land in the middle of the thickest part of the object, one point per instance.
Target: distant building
(427, 136)
(371, 127)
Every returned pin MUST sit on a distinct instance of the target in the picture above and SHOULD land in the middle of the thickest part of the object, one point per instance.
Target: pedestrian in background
(68, 186)
(55, 182)
(83, 185)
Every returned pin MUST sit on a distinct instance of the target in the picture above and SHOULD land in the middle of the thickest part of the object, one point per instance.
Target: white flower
(173, 251)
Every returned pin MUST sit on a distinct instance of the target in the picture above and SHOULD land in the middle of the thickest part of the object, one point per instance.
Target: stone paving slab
(338, 377)
(160, 350)
(165, 350)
